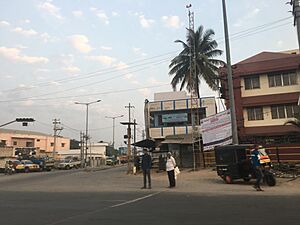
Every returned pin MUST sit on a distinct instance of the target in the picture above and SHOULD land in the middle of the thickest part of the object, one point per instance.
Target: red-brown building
(266, 91)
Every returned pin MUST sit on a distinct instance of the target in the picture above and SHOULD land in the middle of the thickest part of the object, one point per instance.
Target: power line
(86, 85)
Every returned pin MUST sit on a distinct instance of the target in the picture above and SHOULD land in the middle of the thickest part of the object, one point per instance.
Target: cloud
(15, 55)
(106, 48)
(145, 23)
(24, 32)
(77, 13)
(145, 92)
(128, 76)
(280, 43)
(80, 43)
(171, 21)
(250, 15)
(138, 51)
(103, 59)
(25, 21)
(153, 81)
(101, 15)
(121, 66)
(71, 69)
(4, 23)
(115, 14)
(51, 9)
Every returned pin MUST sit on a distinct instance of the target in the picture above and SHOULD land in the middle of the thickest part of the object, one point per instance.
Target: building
(168, 121)
(29, 141)
(266, 91)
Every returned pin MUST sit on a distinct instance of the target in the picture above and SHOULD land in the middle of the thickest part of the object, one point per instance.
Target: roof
(266, 62)
(25, 132)
(146, 143)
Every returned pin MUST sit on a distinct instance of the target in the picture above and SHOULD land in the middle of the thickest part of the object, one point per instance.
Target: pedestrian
(146, 168)
(170, 166)
(255, 160)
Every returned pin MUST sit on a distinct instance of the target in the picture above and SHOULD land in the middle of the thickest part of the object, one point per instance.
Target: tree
(295, 121)
(203, 63)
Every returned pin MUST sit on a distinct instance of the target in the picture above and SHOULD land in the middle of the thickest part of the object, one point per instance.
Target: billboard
(216, 130)
(173, 118)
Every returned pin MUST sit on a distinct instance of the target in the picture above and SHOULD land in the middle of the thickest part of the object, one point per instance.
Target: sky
(54, 53)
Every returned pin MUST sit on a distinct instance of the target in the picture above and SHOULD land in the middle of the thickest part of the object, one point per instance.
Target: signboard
(173, 118)
(216, 130)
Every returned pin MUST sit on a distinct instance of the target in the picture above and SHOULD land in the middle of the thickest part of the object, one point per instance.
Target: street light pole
(229, 75)
(113, 118)
(86, 125)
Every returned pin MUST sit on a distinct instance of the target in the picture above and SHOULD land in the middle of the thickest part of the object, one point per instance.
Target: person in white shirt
(170, 166)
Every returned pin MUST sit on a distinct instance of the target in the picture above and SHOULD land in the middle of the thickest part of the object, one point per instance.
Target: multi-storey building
(266, 91)
(168, 121)
(30, 140)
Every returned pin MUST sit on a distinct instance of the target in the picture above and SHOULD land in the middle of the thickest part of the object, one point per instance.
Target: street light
(113, 118)
(86, 123)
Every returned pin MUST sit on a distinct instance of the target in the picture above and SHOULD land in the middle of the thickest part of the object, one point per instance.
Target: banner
(216, 130)
(173, 118)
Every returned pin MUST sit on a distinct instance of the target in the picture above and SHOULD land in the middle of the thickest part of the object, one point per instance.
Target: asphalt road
(110, 197)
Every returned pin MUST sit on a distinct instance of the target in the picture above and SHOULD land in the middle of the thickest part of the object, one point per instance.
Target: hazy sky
(56, 52)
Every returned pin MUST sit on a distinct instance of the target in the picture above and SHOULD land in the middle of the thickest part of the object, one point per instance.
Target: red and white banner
(216, 130)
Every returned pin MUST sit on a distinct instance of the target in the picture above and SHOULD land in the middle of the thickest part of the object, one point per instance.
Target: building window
(29, 144)
(284, 111)
(282, 79)
(52, 144)
(63, 145)
(255, 113)
(38, 140)
(252, 82)
(3, 143)
(15, 143)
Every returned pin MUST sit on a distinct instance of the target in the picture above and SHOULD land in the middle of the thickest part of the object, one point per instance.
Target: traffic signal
(25, 121)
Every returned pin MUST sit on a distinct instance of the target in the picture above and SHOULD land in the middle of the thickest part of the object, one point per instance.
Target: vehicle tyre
(270, 180)
(228, 179)
(26, 170)
(68, 167)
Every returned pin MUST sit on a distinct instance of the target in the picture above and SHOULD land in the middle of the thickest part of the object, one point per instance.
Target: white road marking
(105, 208)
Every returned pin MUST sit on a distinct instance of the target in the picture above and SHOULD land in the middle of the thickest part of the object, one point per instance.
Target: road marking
(105, 208)
(135, 200)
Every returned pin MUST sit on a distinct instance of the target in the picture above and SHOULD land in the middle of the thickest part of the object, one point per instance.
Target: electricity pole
(113, 118)
(56, 128)
(230, 82)
(128, 137)
(296, 12)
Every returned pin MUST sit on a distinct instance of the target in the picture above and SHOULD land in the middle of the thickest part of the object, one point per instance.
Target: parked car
(111, 161)
(44, 163)
(69, 164)
(29, 166)
(18, 166)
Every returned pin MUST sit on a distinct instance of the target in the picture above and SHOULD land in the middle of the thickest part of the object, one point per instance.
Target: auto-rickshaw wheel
(228, 179)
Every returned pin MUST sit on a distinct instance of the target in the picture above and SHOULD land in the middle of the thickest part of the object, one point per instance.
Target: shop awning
(179, 139)
(146, 143)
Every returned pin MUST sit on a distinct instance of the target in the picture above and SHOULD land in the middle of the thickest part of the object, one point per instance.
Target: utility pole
(87, 125)
(134, 136)
(82, 148)
(56, 128)
(229, 77)
(113, 118)
(296, 13)
(129, 138)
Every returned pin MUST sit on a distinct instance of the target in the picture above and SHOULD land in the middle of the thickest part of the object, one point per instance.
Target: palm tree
(295, 121)
(201, 46)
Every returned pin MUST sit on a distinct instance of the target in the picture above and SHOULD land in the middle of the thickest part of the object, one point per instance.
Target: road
(111, 197)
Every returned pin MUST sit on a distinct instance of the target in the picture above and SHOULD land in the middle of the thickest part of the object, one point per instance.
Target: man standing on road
(146, 167)
(255, 159)
(170, 166)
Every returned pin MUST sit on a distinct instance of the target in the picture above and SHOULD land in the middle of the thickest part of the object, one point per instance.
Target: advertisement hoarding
(216, 130)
